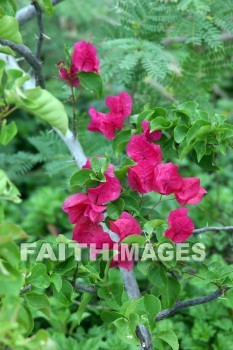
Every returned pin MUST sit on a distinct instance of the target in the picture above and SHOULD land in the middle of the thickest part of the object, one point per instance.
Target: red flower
(79, 205)
(120, 108)
(68, 74)
(87, 232)
(181, 226)
(150, 136)
(107, 191)
(190, 191)
(85, 57)
(125, 226)
(166, 178)
(141, 176)
(101, 122)
(140, 149)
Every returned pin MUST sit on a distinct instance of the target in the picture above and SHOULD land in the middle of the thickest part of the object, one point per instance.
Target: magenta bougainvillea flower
(181, 226)
(166, 178)
(141, 177)
(79, 205)
(150, 136)
(106, 192)
(190, 191)
(68, 74)
(107, 123)
(85, 57)
(125, 226)
(140, 149)
(101, 122)
(88, 232)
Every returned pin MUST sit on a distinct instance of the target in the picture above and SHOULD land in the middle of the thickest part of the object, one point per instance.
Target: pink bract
(85, 57)
(181, 226)
(125, 226)
(190, 191)
(166, 178)
(87, 232)
(150, 136)
(79, 205)
(120, 108)
(140, 149)
(141, 176)
(106, 192)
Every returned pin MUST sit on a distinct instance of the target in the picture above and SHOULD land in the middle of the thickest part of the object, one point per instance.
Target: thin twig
(87, 289)
(192, 302)
(40, 28)
(29, 58)
(213, 229)
(26, 289)
(28, 12)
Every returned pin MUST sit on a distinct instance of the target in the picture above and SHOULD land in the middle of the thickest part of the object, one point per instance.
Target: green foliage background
(130, 37)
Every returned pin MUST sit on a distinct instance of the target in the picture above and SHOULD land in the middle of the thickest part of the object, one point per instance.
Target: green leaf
(8, 132)
(180, 132)
(152, 225)
(160, 112)
(121, 173)
(144, 115)
(131, 204)
(170, 338)
(91, 81)
(9, 232)
(110, 316)
(189, 108)
(112, 294)
(168, 287)
(81, 178)
(8, 191)
(38, 276)
(85, 300)
(64, 295)
(134, 239)
(115, 208)
(153, 307)
(199, 128)
(57, 281)
(10, 279)
(9, 29)
(200, 148)
(120, 142)
(40, 103)
(160, 123)
(7, 50)
(123, 330)
(38, 301)
(7, 8)
(47, 6)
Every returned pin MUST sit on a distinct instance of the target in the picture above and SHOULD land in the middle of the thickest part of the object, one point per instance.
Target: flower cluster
(86, 212)
(84, 59)
(150, 174)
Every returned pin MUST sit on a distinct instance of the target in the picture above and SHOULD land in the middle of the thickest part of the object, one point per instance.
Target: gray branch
(213, 229)
(29, 58)
(85, 288)
(40, 28)
(188, 303)
(28, 12)
(26, 289)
